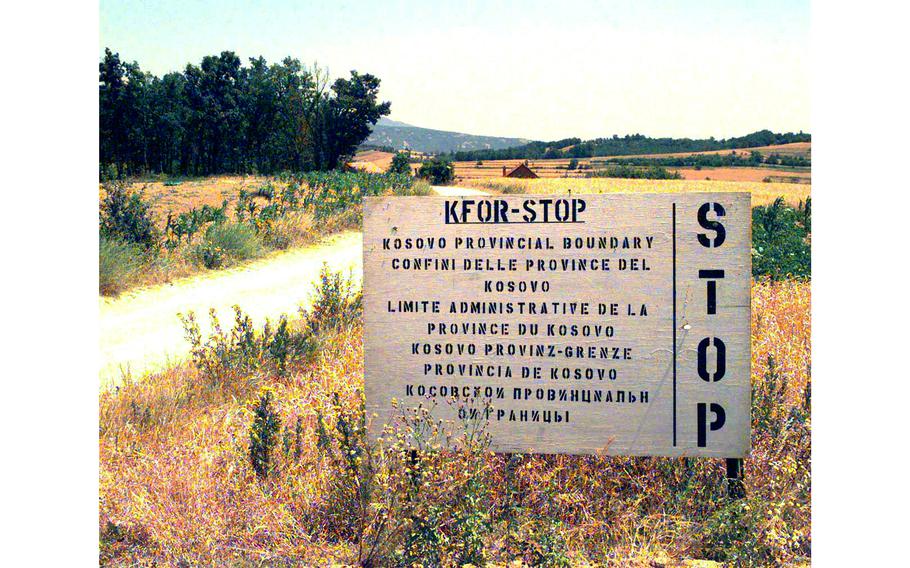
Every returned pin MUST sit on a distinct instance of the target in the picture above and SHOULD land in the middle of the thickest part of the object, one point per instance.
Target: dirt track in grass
(141, 332)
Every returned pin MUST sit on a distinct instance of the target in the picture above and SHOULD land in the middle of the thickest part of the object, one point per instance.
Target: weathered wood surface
(676, 302)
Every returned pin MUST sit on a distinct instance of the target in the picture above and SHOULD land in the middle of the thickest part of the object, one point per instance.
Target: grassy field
(154, 232)
(762, 193)
(181, 484)
(183, 195)
(253, 453)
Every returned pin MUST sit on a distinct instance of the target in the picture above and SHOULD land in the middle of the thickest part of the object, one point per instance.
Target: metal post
(735, 487)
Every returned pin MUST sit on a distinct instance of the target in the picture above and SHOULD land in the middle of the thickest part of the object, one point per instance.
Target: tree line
(223, 117)
(753, 158)
(627, 145)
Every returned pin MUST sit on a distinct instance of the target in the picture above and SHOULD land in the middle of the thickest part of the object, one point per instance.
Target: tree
(438, 171)
(573, 164)
(223, 117)
(345, 118)
(401, 163)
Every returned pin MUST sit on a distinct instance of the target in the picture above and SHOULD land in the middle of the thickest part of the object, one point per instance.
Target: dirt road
(141, 333)
(453, 191)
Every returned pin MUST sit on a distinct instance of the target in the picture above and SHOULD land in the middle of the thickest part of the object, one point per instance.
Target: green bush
(327, 193)
(335, 303)
(243, 349)
(419, 187)
(125, 216)
(780, 240)
(118, 263)
(228, 242)
(263, 435)
(635, 172)
(401, 163)
(438, 171)
(732, 534)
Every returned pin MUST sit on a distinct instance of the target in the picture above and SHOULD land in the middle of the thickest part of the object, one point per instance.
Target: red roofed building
(520, 171)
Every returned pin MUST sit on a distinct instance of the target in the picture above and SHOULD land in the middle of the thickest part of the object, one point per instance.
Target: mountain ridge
(402, 136)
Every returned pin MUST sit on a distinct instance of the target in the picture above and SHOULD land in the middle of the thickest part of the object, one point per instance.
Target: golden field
(762, 193)
(177, 487)
(194, 193)
(558, 168)
(470, 172)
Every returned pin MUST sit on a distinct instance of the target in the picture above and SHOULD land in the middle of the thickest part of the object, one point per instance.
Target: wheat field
(762, 193)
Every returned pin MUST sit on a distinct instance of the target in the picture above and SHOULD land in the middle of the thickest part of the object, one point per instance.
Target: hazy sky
(541, 70)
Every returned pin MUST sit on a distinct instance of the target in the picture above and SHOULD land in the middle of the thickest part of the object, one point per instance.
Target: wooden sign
(614, 324)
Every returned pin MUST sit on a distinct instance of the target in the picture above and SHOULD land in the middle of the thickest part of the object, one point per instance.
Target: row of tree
(223, 117)
(753, 158)
(627, 145)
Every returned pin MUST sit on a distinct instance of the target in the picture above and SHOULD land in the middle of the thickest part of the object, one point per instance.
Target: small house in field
(519, 171)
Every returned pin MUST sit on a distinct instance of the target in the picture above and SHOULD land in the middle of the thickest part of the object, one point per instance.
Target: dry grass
(296, 229)
(762, 193)
(374, 161)
(177, 487)
(192, 193)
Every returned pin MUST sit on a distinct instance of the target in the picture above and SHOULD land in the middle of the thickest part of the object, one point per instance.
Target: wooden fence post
(735, 487)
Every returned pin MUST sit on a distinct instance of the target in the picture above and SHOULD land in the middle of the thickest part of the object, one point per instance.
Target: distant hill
(634, 144)
(400, 136)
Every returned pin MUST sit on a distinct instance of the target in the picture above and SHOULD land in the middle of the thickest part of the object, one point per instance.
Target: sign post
(612, 324)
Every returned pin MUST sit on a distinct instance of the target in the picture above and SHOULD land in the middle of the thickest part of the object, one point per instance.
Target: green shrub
(118, 263)
(125, 216)
(335, 303)
(733, 534)
(635, 172)
(438, 171)
(327, 193)
(263, 434)
(243, 349)
(397, 499)
(228, 242)
(780, 241)
(419, 187)
(401, 163)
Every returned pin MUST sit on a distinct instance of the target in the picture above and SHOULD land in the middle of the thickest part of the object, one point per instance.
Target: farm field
(802, 149)
(377, 161)
(558, 168)
(762, 193)
(549, 169)
(374, 161)
(779, 175)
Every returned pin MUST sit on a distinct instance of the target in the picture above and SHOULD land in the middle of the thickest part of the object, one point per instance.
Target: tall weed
(227, 243)
(118, 264)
